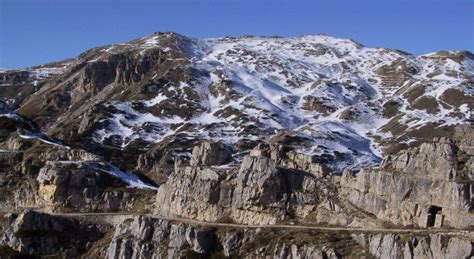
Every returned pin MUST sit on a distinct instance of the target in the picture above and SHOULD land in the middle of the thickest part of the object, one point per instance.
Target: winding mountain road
(117, 218)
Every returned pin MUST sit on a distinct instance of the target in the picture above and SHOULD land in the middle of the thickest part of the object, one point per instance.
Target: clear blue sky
(38, 31)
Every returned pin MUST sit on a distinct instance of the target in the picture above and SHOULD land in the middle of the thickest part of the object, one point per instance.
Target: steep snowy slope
(347, 104)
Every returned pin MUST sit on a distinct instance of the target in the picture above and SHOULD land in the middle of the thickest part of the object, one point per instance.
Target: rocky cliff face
(257, 192)
(399, 246)
(158, 238)
(33, 234)
(83, 186)
(430, 185)
(39, 171)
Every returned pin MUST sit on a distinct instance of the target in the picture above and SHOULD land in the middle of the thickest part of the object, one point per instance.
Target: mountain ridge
(241, 78)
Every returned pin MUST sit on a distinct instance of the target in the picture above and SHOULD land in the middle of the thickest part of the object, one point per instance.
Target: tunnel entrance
(433, 211)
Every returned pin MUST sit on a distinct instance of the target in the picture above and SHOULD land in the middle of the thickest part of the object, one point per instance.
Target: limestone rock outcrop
(259, 192)
(430, 185)
(144, 237)
(289, 158)
(33, 233)
(84, 186)
(211, 153)
(408, 247)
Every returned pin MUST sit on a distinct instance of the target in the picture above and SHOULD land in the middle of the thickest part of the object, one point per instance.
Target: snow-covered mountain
(342, 103)
(181, 147)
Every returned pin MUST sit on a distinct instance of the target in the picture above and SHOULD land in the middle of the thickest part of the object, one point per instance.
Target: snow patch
(131, 179)
(43, 139)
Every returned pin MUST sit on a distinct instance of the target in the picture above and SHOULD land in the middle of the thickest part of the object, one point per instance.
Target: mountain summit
(342, 103)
